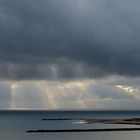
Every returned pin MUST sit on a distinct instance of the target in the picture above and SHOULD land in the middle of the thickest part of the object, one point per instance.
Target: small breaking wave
(80, 122)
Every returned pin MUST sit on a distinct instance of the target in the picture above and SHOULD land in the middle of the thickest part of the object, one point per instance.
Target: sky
(69, 54)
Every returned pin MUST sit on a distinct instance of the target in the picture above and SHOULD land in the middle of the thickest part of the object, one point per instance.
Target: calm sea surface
(14, 124)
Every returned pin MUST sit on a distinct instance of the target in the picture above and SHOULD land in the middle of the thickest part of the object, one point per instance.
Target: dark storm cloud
(51, 39)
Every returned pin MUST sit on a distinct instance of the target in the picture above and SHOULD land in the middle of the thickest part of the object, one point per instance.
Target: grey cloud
(69, 39)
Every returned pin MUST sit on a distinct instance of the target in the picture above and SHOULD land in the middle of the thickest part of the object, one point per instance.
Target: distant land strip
(130, 121)
(61, 119)
(83, 130)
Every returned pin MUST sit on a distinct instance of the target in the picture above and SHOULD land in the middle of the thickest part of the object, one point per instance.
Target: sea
(15, 123)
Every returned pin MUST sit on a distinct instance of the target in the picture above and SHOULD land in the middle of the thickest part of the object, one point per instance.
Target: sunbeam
(135, 92)
(55, 94)
(13, 88)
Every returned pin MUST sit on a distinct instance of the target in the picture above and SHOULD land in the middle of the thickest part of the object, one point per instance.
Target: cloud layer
(69, 39)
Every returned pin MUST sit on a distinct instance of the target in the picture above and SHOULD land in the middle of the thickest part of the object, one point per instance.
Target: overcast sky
(69, 54)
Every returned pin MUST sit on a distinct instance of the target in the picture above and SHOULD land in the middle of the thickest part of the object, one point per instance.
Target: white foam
(80, 122)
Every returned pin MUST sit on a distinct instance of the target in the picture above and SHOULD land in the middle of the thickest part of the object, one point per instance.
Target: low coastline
(131, 121)
(82, 130)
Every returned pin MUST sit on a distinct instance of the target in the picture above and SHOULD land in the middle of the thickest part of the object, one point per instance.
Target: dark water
(14, 124)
